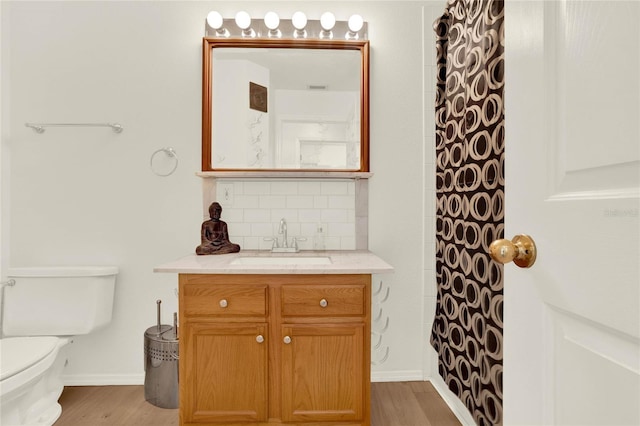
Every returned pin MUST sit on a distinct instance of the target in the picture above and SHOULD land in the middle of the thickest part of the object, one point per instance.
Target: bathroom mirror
(285, 105)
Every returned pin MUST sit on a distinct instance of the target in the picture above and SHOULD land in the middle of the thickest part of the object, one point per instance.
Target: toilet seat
(20, 353)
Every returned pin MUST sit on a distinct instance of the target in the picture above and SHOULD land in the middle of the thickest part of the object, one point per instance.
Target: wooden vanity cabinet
(275, 349)
(223, 338)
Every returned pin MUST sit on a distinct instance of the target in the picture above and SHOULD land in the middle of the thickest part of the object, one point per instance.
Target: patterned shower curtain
(467, 329)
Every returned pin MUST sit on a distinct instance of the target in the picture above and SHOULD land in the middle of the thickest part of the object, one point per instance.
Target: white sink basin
(277, 260)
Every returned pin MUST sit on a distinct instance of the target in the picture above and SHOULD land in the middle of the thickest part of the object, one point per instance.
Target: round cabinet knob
(286, 340)
(259, 338)
(223, 303)
(521, 249)
(324, 303)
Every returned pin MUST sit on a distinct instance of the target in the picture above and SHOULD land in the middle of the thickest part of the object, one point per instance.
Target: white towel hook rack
(40, 127)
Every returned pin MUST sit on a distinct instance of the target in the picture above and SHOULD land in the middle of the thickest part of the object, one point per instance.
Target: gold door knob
(522, 250)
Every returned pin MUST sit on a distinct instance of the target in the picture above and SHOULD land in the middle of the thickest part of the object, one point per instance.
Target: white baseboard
(457, 407)
(102, 379)
(397, 376)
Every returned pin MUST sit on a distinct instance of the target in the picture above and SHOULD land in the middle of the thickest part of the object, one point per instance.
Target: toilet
(41, 313)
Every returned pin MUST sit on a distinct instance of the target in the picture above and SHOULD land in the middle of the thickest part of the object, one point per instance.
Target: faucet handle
(275, 241)
(294, 241)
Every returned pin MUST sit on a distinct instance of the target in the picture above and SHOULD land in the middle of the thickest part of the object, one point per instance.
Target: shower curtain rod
(40, 127)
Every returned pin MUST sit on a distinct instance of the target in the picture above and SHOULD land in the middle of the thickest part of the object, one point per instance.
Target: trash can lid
(166, 334)
(170, 336)
(155, 332)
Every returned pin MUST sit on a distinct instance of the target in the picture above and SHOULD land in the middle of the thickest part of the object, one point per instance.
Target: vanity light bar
(298, 27)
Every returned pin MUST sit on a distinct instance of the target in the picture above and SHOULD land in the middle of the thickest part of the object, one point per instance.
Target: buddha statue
(214, 236)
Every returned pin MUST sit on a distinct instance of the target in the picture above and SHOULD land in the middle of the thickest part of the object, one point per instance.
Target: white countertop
(342, 262)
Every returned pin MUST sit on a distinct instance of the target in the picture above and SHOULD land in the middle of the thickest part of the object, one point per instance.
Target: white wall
(4, 150)
(88, 196)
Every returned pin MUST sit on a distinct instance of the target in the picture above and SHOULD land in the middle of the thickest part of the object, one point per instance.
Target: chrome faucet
(283, 230)
(285, 247)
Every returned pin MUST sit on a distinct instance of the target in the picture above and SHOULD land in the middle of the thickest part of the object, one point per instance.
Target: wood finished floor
(392, 404)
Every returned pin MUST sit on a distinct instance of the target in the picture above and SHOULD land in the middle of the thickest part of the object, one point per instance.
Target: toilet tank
(58, 301)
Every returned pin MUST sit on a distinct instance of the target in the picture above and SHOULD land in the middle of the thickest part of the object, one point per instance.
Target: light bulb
(271, 20)
(214, 20)
(243, 20)
(299, 20)
(355, 23)
(328, 21)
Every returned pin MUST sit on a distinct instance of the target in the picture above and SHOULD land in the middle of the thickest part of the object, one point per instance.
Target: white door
(572, 91)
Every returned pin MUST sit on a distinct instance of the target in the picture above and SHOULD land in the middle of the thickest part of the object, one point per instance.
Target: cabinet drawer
(221, 299)
(323, 300)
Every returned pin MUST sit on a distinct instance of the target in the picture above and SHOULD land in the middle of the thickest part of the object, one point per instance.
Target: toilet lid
(20, 353)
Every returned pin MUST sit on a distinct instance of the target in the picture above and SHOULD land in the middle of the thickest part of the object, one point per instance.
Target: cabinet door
(322, 372)
(225, 372)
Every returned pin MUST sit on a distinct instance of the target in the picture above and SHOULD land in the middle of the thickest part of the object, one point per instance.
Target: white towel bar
(40, 127)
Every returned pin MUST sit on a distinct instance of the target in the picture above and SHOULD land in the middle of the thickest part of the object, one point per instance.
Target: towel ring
(169, 153)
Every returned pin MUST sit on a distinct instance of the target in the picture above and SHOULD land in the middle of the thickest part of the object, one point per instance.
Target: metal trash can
(161, 364)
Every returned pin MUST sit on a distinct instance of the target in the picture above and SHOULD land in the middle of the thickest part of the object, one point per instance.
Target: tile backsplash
(321, 211)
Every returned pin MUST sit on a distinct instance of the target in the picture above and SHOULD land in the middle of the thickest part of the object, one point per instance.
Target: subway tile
(261, 229)
(309, 188)
(347, 243)
(289, 215)
(341, 229)
(320, 201)
(242, 229)
(258, 207)
(284, 188)
(334, 215)
(293, 229)
(238, 187)
(252, 243)
(309, 216)
(306, 245)
(237, 240)
(232, 215)
(308, 229)
(257, 215)
(246, 201)
(300, 201)
(351, 188)
(273, 201)
(256, 188)
(334, 188)
(332, 243)
(341, 202)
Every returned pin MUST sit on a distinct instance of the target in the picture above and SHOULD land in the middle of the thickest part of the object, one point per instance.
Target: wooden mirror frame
(207, 80)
